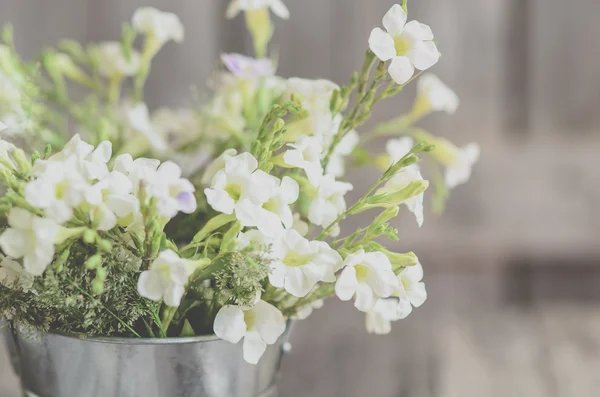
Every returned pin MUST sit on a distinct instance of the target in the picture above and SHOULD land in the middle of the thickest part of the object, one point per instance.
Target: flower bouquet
(136, 244)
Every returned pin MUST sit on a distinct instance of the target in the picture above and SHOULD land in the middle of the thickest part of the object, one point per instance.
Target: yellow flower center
(362, 272)
(293, 259)
(234, 190)
(249, 318)
(402, 44)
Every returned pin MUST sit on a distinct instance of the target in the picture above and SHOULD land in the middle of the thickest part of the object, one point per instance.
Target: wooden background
(512, 264)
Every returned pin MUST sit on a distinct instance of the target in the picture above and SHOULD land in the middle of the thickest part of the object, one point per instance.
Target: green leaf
(187, 329)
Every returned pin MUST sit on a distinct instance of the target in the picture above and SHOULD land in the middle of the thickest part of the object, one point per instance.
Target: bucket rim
(27, 331)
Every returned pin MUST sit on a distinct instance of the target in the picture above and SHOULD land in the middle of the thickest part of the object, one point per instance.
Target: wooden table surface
(463, 343)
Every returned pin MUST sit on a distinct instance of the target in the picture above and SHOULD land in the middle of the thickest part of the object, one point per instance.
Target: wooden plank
(564, 67)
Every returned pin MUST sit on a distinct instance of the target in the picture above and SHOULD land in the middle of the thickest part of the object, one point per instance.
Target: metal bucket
(53, 365)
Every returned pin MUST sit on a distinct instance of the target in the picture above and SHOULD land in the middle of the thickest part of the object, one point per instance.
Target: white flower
(399, 182)
(31, 238)
(113, 202)
(256, 238)
(337, 166)
(166, 278)
(304, 312)
(90, 162)
(139, 120)
(412, 290)
(113, 62)
(57, 190)
(379, 319)
(162, 26)
(367, 276)
(246, 67)
(13, 275)
(260, 325)
(238, 185)
(329, 203)
(162, 181)
(273, 214)
(217, 165)
(458, 171)
(173, 193)
(314, 95)
(176, 126)
(397, 149)
(306, 153)
(409, 45)
(277, 6)
(437, 95)
(301, 264)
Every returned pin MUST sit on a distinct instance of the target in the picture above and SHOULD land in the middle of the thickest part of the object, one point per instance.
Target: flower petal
(270, 323)
(229, 324)
(419, 31)
(14, 243)
(254, 347)
(345, 286)
(382, 45)
(401, 70)
(219, 200)
(279, 9)
(424, 55)
(150, 285)
(173, 294)
(365, 298)
(395, 19)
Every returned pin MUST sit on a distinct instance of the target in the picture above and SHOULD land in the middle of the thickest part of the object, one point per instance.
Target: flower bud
(97, 287)
(386, 215)
(23, 163)
(93, 262)
(387, 200)
(101, 274)
(89, 236)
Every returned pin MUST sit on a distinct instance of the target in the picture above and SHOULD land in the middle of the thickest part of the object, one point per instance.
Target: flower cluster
(251, 237)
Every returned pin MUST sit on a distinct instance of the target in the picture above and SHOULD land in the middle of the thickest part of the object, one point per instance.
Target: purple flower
(246, 67)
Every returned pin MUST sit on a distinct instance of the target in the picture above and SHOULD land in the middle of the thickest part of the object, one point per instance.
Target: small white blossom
(90, 162)
(379, 319)
(412, 290)
(277, 6)
(173, 193)
(408, 45)
(304, 312)
(314, 95)
(300, 264)
(397, 149)
(58, 190)
(246, 67)
(113, 62)
(166, 278)
(239, 184)
(113, 202)
(12, 275)
(438, 96)
(260, 325)
(160, 25)
(306, 153)
(274, 214)
(217, 165)
(31, 238)
(458, 170)
(367, 276)
(162, 181)
(330, 202)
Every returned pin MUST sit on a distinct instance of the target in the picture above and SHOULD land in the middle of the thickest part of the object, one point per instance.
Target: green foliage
(68, 301)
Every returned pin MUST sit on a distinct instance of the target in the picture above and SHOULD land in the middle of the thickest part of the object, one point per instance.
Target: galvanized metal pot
(53, 365)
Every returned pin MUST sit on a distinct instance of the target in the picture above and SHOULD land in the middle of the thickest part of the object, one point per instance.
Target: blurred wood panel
(527, 73)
